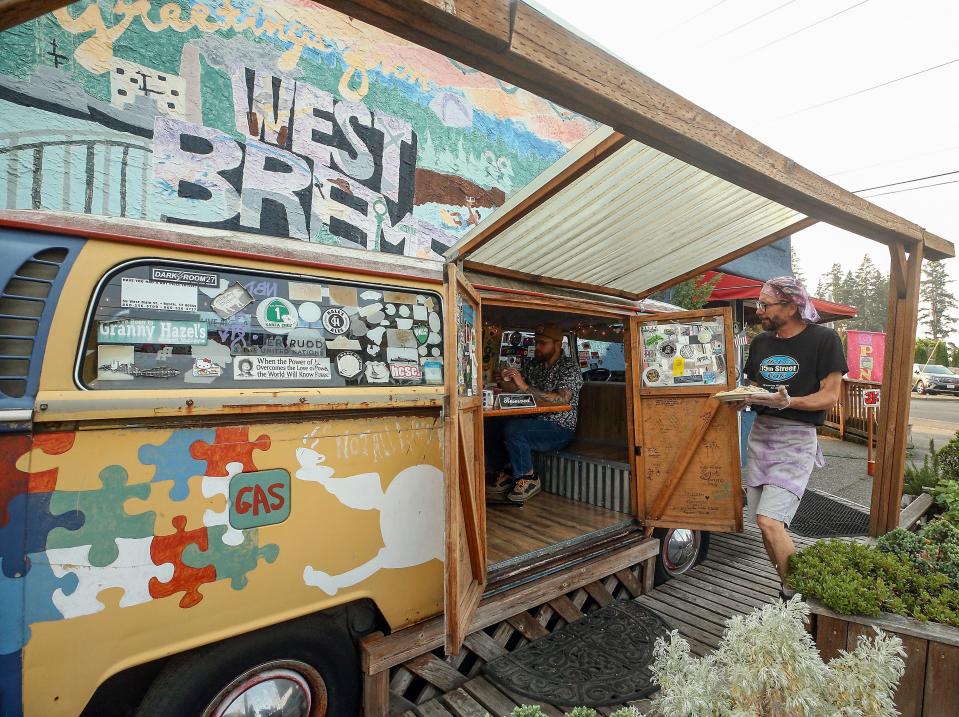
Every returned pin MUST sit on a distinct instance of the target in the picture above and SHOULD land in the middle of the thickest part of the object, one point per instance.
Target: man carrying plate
(802, 364)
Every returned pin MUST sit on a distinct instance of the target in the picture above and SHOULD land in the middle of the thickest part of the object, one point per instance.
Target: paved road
(935, 418)
(845, 471)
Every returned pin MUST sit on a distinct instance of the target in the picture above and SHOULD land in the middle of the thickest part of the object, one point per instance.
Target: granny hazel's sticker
(184, 276)
(277, 315)
(336, 321)
(151, 331)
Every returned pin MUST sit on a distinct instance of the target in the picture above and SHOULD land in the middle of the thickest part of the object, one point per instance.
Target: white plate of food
(739, 393)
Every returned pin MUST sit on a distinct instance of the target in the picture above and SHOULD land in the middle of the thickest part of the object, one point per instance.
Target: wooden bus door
(463, 458)
(685, 443)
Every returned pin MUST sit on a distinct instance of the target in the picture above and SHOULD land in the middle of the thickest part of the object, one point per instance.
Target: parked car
(933, 378)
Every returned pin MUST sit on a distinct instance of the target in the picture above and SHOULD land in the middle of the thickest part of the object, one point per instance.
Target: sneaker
(500, 487)
(524, 489)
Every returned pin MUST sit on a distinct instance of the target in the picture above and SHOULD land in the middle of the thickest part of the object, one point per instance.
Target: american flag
(741, 340)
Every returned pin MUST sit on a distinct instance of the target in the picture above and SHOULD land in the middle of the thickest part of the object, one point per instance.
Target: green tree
(866, 289)
(794, 264)
(955, 357)
(922, 354)
(940, 355)
(691, 294)
(939, 301)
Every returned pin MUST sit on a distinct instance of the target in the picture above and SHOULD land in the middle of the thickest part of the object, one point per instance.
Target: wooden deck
(547, 519)
(735, 578)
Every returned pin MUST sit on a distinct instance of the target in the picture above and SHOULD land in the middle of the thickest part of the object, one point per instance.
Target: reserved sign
(515, 400)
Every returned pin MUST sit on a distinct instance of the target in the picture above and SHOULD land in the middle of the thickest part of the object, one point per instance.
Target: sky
(799, 75)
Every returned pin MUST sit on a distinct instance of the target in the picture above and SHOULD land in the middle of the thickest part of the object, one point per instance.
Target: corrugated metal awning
(633, 221)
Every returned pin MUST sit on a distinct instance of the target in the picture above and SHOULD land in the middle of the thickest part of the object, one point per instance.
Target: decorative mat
(601, 659)
(822, 517)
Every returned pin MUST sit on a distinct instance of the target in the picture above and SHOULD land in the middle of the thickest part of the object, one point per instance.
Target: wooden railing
(849, 415)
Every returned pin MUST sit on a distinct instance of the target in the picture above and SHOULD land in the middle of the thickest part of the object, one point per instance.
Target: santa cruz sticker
(778, 368)
(277, 315)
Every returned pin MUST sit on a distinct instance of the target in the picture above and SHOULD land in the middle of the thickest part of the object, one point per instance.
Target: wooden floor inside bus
(545, 520)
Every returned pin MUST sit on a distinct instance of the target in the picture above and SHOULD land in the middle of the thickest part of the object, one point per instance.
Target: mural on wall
(281, 118)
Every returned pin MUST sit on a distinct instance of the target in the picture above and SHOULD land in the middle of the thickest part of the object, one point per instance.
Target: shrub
(902, 577)
(946, 494)
(768, 666)
(921, 480)
(948, 459)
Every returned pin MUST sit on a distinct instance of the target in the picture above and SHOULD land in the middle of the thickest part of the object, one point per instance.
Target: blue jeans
(520, 437)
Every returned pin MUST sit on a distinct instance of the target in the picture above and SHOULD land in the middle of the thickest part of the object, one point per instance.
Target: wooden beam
(725, 258)
(897, 266)
(555, 63)
(896, 394)
(501, 221)
(548, 281)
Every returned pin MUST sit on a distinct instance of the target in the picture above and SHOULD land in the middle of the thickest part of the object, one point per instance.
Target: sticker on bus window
(232, 301)
(281, 368)
(152, 331)
(143, 294)
(175, 275)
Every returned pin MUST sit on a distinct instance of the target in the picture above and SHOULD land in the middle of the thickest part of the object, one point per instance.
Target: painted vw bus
(227, 460)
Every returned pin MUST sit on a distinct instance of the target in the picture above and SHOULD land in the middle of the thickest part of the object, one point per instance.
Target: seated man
(550, 378)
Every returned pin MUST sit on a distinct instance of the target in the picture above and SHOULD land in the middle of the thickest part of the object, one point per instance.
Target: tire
(313, 655)
(921, 388)
(669, 566)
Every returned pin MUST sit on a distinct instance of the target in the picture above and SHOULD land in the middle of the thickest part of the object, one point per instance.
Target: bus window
(166, 325)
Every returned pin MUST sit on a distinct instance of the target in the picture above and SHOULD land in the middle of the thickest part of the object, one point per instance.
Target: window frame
(113, 271)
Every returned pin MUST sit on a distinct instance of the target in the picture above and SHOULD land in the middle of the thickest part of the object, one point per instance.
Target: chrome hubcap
(681, 549)
(282, 688)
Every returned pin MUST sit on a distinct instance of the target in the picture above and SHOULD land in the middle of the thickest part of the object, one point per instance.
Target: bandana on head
(787, 288)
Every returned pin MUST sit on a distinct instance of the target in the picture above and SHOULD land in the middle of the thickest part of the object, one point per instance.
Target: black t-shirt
(799, 363)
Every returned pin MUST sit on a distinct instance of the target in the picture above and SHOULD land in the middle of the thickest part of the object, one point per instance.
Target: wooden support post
(376, 687)
(894, 409)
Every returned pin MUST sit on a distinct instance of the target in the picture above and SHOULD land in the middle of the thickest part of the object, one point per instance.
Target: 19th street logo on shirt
(778, 368)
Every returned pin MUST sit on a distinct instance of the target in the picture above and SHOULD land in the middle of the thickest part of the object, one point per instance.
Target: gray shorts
(773, 502)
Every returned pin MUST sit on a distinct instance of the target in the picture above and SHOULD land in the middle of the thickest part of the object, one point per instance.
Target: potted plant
(907, 584)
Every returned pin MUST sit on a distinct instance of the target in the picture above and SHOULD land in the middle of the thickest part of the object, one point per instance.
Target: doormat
(822, 517)
(602, 659)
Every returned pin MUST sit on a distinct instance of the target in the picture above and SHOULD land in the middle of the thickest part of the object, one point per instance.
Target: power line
(749, 22)
(807, 27)
(870, 89)
(912, 189)
(898, 160)
(694, 17)
(907, 181)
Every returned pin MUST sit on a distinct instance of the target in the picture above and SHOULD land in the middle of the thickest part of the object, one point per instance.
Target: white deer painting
(411, 516)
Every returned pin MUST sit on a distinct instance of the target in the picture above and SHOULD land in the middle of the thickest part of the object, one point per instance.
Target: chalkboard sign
(515, 400)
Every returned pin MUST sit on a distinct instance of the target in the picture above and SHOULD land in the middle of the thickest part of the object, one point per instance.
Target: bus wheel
(279, 671)
(680, 549)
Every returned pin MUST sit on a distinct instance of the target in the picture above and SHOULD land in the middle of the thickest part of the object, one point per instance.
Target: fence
(849, 416)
